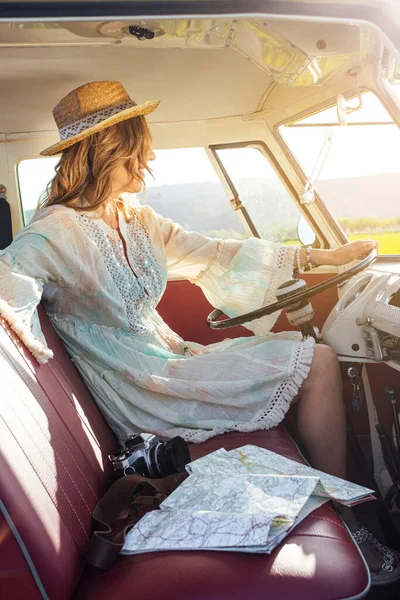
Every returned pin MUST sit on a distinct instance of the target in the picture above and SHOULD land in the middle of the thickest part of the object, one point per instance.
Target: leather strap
(121, 507)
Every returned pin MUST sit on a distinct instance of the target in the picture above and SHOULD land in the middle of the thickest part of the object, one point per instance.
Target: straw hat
(91, 108)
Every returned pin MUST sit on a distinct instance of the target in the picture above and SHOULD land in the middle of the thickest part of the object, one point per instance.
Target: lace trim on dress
(142, 253)
(299, 369)
(278, 405)
(22, 329)
(139, 285)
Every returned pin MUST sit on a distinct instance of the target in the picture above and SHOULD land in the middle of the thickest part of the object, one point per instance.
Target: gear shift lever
(300, 313)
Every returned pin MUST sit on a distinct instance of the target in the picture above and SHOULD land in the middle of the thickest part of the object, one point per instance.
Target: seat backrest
(54, 446)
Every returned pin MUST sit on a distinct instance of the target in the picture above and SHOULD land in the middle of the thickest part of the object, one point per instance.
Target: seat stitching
(16, 368)
(325, 537)
(11, 407)
(38, 383)
(330, 521)
(40, 478)
(56, 454)
(332, 509)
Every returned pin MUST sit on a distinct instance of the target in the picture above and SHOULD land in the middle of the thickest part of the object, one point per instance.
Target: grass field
(389, 243)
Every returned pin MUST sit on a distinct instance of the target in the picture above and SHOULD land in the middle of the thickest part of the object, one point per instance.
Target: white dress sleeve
(236, 276)
(24, 271)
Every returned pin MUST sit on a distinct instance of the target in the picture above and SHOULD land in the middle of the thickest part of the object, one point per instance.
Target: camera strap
(121, 507)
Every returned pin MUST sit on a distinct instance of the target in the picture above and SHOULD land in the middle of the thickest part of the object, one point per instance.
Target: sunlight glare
(293, 561)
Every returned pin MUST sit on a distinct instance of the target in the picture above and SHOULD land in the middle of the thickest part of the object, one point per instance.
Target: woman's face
(122, 180)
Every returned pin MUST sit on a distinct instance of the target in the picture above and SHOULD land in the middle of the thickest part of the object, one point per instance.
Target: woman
(101, 264)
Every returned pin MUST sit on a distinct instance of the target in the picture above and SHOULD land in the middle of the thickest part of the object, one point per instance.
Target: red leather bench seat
(54, 466)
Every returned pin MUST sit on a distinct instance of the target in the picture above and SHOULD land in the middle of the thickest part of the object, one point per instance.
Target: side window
(33, 175)
(268, 203)
(360, 175)
(186, 189)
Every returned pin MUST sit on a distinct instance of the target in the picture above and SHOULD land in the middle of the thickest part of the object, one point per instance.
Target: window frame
(327, 213)
(321, 241)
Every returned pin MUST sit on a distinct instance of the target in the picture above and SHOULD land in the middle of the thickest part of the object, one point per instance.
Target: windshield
(360, 177)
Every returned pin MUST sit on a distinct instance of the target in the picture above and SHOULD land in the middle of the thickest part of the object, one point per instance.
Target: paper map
(245, 500)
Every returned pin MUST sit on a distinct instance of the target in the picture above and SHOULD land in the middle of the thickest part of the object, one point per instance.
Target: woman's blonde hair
(92, 162)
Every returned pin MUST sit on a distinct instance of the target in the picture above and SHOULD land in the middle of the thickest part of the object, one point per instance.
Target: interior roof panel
(147, 74)
(379, 12)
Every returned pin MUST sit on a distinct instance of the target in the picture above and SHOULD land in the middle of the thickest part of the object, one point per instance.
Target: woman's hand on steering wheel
(345, 254)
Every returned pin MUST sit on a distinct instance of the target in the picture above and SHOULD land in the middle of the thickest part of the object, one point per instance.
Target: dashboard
(365, 323)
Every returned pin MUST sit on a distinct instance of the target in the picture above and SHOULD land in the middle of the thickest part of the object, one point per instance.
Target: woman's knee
(325, 355)
(324, 366)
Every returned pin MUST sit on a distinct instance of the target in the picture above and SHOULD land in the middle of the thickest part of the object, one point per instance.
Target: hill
(205, 207)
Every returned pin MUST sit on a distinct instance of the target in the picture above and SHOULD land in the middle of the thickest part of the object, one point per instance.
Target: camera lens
(171, 457)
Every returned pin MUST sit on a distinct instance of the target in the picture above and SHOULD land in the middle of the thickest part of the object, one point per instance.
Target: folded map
(244, 500)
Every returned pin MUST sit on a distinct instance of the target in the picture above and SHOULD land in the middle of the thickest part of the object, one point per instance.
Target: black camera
(146, 455)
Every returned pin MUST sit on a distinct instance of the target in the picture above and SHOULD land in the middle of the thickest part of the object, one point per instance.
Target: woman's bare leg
(321, 417)
(322, 426)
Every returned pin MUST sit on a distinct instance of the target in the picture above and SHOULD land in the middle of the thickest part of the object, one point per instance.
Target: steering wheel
(291, 300)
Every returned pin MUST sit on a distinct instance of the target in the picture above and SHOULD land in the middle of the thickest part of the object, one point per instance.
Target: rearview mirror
(304, 232)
